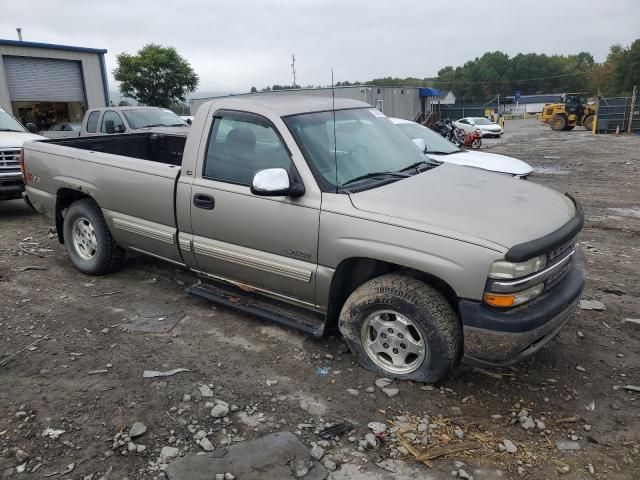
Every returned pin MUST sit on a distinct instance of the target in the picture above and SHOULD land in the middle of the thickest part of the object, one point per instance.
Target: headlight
(503, 270)
(513, 299)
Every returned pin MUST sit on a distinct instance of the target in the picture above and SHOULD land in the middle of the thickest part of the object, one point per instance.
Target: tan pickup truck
(323, 216)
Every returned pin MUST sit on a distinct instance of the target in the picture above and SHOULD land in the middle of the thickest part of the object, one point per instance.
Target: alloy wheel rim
(85, 242)
(393, 342)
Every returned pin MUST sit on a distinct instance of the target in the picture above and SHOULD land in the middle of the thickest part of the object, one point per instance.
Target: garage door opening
(45, 91)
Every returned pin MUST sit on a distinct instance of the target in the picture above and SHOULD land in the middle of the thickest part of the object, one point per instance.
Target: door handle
(204, 201)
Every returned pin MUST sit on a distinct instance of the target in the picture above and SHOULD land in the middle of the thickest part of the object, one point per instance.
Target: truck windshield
(367, 147)
(153, 117)
(434, 142)
(9, 124)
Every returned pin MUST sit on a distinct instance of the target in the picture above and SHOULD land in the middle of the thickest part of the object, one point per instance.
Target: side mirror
(274, 182)
(109, 127)
(420, 143)
(189, 121)
(32, 127)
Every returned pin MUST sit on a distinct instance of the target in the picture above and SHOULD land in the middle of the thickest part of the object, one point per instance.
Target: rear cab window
(92, 122)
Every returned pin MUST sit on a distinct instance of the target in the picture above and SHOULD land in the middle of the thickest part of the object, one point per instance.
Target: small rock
(567, 445)
(509, 446)
(137, 429)
(580, 369)
(587, 428)
(370, 441)
(592, 305)
(219, 411)
(391, 392)
(369, 390)
(301, 468)
(540, 425)
(219, 476)
(574, 438)
(206, 445)
(229, 476)
(132, 447)
(383, 382)
(317, 452)
(329, 464)
(21, 456)
(21, 414)
(464, 475)
(205, 391)
(592, 470)
(580, 334)
(353, 391)
(459, 433)
(167, 453)
(377, 427)
(141, 448)
(527, 423)
(186, 397)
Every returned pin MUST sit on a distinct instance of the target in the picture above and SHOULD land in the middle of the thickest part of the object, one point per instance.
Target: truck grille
(555, 256)
(9, 161)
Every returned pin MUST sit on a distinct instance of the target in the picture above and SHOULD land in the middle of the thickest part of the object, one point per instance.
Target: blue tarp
(429, 92)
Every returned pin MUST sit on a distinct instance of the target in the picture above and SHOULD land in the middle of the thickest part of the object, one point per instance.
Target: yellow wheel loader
(574, 110)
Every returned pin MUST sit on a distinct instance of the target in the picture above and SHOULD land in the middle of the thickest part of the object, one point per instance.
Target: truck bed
(155, 147)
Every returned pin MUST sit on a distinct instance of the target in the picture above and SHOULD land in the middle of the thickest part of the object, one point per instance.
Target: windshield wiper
(10, 130)
(436, 152)
(423, 163)
(178, 125)
(374, 175)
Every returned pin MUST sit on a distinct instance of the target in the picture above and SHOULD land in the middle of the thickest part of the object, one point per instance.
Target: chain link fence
(618, 114)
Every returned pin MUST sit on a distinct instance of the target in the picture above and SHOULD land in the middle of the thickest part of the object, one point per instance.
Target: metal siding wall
(90, 71)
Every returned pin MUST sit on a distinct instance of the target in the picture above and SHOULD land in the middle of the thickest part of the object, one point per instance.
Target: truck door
(269, 243)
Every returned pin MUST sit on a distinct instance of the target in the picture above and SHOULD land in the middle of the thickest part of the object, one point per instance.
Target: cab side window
(118, 124)
(238, 147)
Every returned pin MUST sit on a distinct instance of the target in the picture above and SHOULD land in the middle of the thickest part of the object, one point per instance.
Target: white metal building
(46, 84)
(401, 102)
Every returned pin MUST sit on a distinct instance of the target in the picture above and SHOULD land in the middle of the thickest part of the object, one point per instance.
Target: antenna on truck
(335, 146)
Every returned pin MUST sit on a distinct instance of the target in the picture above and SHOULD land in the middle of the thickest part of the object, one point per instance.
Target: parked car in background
(110, 120)
(436, 147)
(486, 127)
(320, 214)
(12, 135)
(63, 130)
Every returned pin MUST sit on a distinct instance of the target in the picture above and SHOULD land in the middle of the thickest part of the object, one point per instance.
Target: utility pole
(293, 69)
(19, 30)
(634, 99)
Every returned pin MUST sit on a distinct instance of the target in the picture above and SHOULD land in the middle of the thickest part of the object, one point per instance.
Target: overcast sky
(236, 44)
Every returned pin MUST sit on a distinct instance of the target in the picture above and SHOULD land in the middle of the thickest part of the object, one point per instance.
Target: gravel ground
(85, 373)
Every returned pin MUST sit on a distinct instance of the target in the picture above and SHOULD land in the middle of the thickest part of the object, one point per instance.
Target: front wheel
(477, 143)
(400, 327)
(588, 122)
(88, 241)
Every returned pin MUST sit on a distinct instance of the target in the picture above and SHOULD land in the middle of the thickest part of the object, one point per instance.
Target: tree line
(496, 73)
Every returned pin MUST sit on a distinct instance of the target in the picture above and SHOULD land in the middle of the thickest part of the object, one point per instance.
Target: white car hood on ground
(493, 207)
(487, 161)
(16, 139)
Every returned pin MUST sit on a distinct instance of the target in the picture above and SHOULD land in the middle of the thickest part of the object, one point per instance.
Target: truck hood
(486, 161)
(16, 139)
(472, 202)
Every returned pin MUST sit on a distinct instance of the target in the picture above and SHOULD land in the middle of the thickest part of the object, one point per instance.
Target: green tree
(254, 90)
(156, 76)
(124, 103)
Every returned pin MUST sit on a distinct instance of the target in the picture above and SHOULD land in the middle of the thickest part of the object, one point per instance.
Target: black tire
(477, 143)
(588, 122)
(433, 318)
(107, 255)
(568, 128)
(558, 122)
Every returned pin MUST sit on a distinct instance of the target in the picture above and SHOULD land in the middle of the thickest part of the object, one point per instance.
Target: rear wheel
(477, 143)
(88, 241)
(558, 123)
(588, 122)
(400, 327)
(569, 128)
